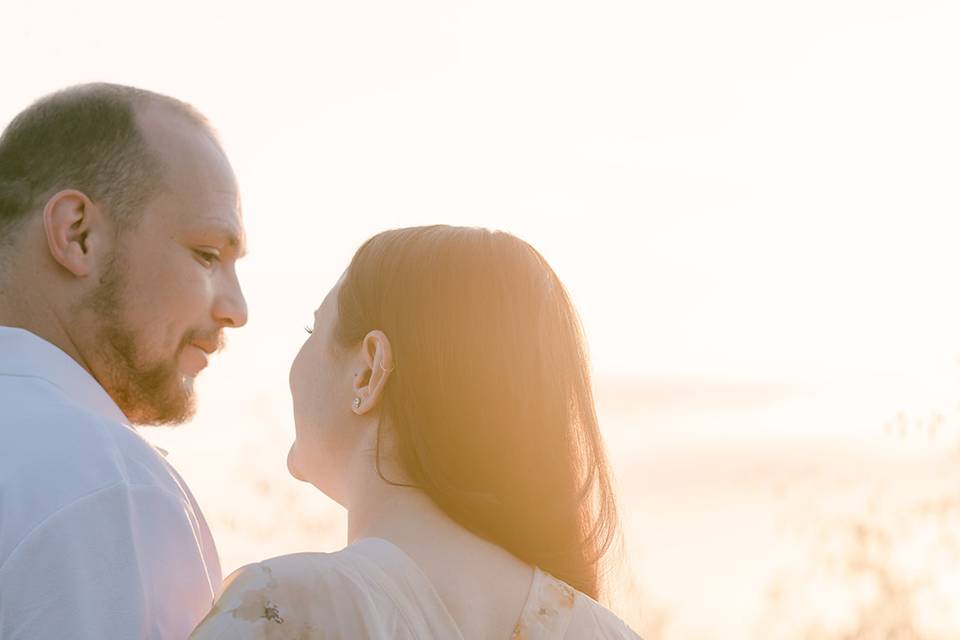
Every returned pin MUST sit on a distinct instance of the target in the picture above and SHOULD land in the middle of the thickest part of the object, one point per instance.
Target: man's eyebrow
(235, 238)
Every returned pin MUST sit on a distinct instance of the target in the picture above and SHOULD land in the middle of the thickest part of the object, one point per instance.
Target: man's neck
(22, 310)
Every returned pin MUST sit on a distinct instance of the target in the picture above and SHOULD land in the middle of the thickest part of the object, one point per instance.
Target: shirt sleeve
(123, 562)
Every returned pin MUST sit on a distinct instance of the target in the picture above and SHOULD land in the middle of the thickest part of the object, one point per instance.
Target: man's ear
(377, 365)
(75, 229)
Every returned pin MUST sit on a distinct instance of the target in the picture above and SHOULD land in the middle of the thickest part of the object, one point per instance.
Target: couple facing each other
(442, 397)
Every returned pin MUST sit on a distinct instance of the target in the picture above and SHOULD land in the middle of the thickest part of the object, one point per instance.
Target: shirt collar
(26, 354)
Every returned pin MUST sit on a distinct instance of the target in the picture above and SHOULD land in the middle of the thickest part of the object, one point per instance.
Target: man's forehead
(194, 163)
(201, 190)
(230, 232)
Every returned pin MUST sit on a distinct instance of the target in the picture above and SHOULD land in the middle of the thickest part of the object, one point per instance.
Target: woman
(443, 398)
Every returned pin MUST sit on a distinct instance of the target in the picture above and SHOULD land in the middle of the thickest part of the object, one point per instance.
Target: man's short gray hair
(86, 138)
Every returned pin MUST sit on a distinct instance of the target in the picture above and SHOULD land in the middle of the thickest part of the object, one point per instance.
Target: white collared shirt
(99, 536)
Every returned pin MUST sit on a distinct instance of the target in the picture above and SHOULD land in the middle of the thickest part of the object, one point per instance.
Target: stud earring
(356, 403)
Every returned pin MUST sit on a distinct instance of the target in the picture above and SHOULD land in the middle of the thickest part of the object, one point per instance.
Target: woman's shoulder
(370, 589)
(554, 609)
(302, 595)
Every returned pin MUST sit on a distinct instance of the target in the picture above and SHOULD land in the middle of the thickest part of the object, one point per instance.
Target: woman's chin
(292, 466)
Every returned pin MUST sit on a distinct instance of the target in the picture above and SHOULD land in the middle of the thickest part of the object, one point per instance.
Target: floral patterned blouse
(372, 589)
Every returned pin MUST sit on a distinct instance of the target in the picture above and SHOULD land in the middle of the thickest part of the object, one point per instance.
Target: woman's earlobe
(377, 358)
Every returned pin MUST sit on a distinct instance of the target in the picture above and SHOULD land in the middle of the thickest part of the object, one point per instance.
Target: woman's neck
(396, 513)
(381, 503)
(409, 519)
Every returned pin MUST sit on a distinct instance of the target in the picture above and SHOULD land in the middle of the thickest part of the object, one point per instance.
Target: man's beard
(147, 392)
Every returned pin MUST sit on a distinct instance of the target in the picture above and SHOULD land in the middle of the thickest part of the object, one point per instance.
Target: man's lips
(207, 347)
(197, 352)
(196, 359)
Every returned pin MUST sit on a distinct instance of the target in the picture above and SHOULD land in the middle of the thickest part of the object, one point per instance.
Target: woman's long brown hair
(490, 405)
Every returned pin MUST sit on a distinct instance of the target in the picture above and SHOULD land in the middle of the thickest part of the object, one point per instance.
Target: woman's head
(474, 358)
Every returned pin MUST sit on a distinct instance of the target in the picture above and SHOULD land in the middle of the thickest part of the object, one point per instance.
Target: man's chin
(188, 380)
(172, 409)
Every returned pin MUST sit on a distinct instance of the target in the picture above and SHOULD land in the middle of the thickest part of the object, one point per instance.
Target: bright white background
(740, 190)
(745, 187)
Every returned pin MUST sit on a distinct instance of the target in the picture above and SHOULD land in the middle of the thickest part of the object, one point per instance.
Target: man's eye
(207, 258)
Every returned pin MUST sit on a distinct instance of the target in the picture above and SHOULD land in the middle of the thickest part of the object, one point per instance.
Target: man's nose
(230, 307)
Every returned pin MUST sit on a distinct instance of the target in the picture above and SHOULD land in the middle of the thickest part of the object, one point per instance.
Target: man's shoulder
(54, 453)
(44, 432)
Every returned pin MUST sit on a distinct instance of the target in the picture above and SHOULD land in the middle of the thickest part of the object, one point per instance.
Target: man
(120, 228)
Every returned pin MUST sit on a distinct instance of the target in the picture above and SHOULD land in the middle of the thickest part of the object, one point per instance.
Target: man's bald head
(88, 138)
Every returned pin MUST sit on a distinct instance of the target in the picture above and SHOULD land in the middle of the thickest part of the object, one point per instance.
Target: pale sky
(743, 188)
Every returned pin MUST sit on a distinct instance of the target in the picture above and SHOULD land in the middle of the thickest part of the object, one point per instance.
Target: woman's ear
(377, 362)
(74, 228)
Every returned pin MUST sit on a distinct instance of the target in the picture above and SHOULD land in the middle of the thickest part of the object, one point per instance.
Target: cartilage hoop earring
(385, 370)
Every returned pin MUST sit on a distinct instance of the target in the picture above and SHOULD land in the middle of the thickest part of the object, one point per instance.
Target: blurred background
(754, 205)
